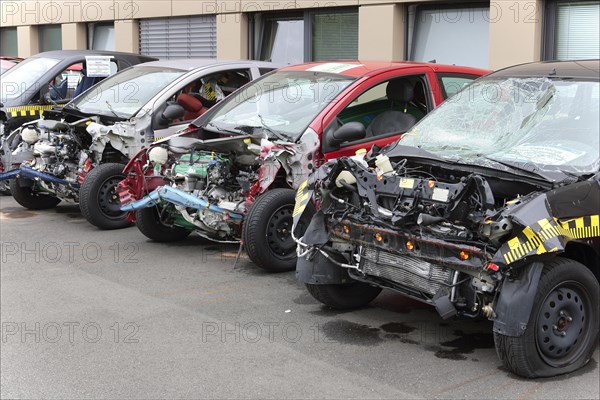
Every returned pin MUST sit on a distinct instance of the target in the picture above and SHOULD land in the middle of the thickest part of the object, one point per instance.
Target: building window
(180, 37)
(49, 37)
(449, 34)
(8, 42)
(297, 37)
(101, 36)
(573, 30)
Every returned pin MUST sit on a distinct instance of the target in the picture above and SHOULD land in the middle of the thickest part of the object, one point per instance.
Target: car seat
(85, 83)
(192, 106)
(400, 91)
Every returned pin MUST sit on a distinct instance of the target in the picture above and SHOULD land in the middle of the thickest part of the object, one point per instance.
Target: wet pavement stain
(347, 332)
(397, 327)
(465, 343)
(16, 213)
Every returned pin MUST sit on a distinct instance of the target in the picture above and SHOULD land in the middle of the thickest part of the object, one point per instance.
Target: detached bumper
(29, 173)
(178, 197)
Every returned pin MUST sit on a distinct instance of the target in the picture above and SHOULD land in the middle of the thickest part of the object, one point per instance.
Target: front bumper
(177, 197)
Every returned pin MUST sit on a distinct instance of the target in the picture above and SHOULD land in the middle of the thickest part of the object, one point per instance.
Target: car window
(63, 87)
(454, 83)
(203, 93)
(387, 107)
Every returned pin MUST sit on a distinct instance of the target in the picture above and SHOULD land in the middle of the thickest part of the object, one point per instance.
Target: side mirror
(172, 112)
(346, 133)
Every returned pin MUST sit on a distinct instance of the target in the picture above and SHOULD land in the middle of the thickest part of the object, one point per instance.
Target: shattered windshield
(24, 77)
(125, 93)
(551, 123)
(282, 104)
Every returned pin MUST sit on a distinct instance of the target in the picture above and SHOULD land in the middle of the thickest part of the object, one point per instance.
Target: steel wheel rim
(279, 233)
(562, 324)
(108, 199)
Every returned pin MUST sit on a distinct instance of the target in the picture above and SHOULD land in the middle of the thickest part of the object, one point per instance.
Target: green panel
(335, 36)
(8, 42)
(199, 165)
(50, 37)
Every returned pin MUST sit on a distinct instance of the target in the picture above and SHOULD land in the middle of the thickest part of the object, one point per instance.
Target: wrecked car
(488, 208)
(45, 81)
(230, 177)
(79, 153)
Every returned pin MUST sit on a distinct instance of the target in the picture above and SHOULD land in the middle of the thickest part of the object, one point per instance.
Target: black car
(51, 78)
(488, 208)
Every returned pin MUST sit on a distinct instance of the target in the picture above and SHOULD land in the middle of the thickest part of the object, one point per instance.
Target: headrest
(400, 89)
(189, 102)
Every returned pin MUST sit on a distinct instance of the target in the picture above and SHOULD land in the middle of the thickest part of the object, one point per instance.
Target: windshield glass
(125, 93)
(24, 77)
(551, 123)
(282, 104)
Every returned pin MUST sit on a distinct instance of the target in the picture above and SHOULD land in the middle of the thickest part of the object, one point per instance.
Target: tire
(149, 224)
(556, 343)
(98, 200)
(344, 297)
(267, 230)
(30, 199)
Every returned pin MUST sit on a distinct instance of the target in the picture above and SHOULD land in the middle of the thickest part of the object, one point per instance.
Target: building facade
(489, 34)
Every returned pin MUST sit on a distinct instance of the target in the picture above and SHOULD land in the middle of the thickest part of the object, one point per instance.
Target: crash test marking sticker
(334, 68)
(440, 195)
(301, 199)
(407, 183)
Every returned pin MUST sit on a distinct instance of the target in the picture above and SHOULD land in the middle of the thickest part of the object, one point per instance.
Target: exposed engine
(57, 149)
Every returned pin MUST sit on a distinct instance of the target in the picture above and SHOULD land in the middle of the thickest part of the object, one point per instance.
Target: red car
(7, 63)
(231, 175)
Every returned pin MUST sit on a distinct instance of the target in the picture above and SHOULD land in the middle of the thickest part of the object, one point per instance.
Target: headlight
(30, 135)
(158, 155)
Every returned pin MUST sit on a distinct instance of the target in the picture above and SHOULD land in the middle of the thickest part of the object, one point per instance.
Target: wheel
(267, 230)
(344, 297)
(28, 198)
(562, 331)
(98, 198)
(148, 222)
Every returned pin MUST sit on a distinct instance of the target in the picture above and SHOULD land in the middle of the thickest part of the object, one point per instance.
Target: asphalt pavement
(108, 314)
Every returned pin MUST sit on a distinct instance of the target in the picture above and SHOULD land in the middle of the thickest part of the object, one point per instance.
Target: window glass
(452, 84)
(50, 37)
(281, 105)
(102, 37)
(381, 113)
(577, 34)
(283, 41)
(125, 93)
(8, 42)
(335, 36)
(24, 78)
(451, 36)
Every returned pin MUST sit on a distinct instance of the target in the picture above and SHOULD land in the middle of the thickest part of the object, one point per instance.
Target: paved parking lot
(97, 314)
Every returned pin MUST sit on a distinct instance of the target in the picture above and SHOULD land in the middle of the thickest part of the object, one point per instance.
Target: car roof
(69, 55)
(360, 68)
(583, 69)
(194, 63)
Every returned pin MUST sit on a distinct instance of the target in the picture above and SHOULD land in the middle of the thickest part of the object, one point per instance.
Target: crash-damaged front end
(208, 185)
(447, 238)
(52, 156)
(477, 217)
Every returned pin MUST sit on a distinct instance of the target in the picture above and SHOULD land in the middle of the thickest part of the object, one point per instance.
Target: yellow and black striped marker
(302, 198)
(548, 235)
(27, 111)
